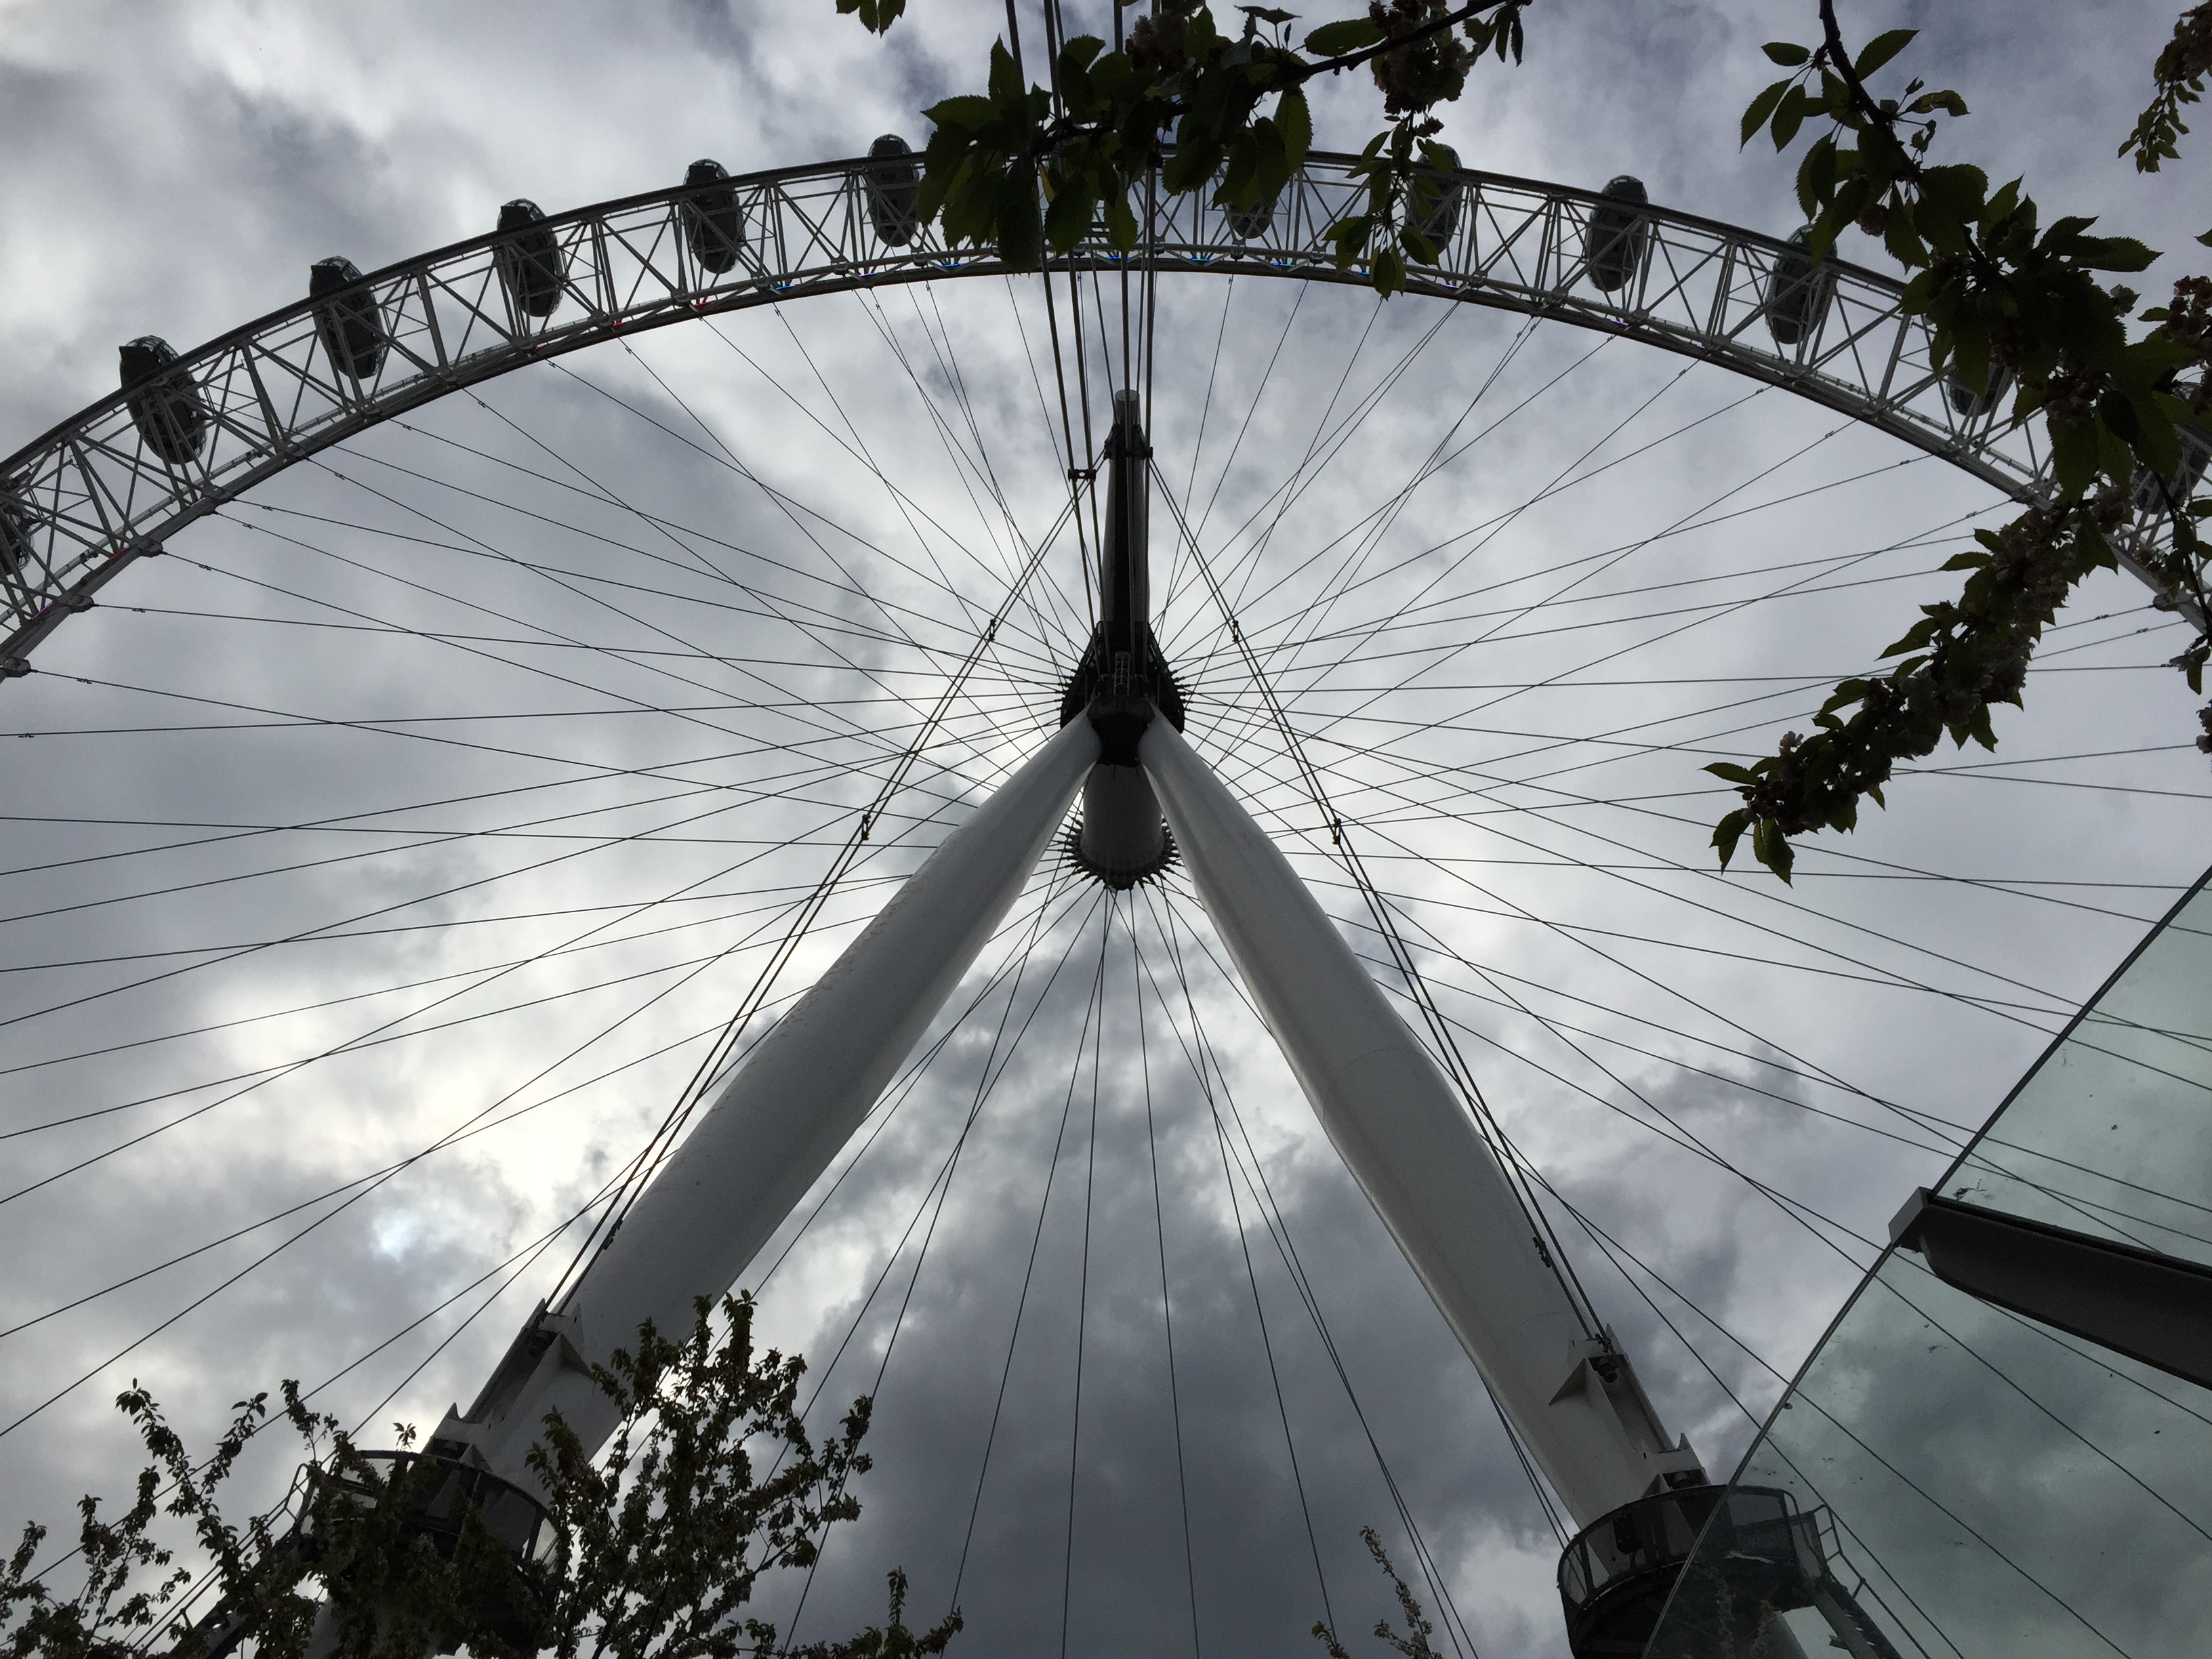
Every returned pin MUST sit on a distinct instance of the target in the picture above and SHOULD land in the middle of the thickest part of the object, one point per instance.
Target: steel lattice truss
(102, 488)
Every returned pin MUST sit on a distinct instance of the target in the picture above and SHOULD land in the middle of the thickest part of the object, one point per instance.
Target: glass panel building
(1949, 1479)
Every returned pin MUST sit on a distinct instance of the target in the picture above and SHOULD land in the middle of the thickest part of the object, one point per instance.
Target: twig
(1353, 59)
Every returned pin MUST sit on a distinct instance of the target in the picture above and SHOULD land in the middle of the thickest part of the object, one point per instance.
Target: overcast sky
(535, 711)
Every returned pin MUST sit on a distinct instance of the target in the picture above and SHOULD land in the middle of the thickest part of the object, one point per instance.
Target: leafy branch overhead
(2014, 311)
(1026, 173)
(2021, 314)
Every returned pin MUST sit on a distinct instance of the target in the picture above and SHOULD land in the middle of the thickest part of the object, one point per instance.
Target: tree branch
(1353, 59)
(1837, 56)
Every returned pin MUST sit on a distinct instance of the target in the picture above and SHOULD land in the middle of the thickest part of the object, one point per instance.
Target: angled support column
(2155, 1308)
(800, 1095)
(1411, 1144)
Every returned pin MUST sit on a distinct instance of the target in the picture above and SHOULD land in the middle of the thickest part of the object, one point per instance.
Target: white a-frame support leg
(800, 1094)
(1412, 1147)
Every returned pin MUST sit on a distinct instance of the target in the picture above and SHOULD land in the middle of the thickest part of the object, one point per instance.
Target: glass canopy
(1946, 1480)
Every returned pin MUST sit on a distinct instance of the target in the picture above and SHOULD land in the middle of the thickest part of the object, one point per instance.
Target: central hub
(1123, 681)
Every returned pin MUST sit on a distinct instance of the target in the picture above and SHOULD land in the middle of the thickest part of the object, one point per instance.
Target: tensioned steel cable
(904, 1085)
(1028, 1271)
(582, 586)
(360, 1039)
(1204, 1061)
(1275, 1373)
(984, 1089)
(1314, 616)
(538, 1246)
(657, 1148)
(1082, 1275)
(1553, 1253)
(183, 1607)
(934, 1198)
(367, 1176)
(2051, 1002)
(481, 970)
(1160, 1239)
(749, 668)
(458, 1131)
(786, 503)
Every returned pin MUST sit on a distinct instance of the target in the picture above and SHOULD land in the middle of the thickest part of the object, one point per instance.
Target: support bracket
(2151, 1306)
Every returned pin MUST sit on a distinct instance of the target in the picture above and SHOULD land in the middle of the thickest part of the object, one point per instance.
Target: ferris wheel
(937, 841)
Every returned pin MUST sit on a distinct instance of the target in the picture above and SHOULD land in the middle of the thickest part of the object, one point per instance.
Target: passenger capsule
(1250, 224)
(1970, 404)
(1798, 290)
(165, 400)
(893, 190)
(1619, 234)
(14, 541)
(531, 265)
(348, 318)
(2195, 451)
(714, 227)
(1433, 206)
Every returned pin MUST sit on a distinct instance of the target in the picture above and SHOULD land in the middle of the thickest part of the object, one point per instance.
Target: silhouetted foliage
(2011, 304)
(654, 1545)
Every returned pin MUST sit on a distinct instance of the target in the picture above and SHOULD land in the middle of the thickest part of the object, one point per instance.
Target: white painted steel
(91, 497)
(1412, 1145)
(776, 1126)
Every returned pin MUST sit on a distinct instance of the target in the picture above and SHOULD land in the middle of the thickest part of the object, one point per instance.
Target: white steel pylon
(1562, 1382)
(777, 1123)
(1566, 1387)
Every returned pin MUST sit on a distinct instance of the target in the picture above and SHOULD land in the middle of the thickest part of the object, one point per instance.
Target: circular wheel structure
(425, 988)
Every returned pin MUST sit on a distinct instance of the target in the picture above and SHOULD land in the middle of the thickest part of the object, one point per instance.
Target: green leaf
(1021, 228)
(1772, 848)
(1785, 53)
(1880, 49)
(1294, 121)
(1121, 223)
(1067, 221)
(1971, 342)
(1816, 175)
(1957, 191)
(1902, 240)
(1005, 77)
(2073, 455)
(1729, 832)
(1914, 636)
(1728, 772)
(1191, 166)
(2001, 205)
(1928, 103)
(1335, 39)
(964, 114)
(1349, 235)
(1389, 272)
(1271, 165)
(1795, 106)
(1835, 98)
(1755, 116)
(1849, 692)
(2113, 254)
